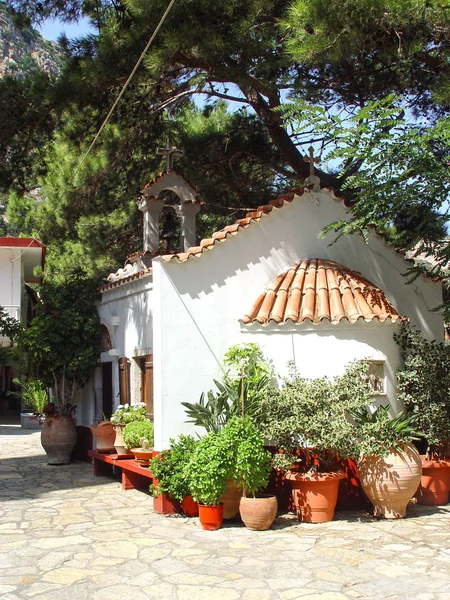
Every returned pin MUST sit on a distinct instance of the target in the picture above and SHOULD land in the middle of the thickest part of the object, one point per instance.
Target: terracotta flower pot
(258, 513)
(142, 455)
(119, 444)
(189, 506)
(391, 482)
(104, 436)
(58, 438)
(434, 485)
(230, 500)
(315, 495)
(211, 517)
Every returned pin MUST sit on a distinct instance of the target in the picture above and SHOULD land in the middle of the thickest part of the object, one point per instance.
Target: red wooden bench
(133, 475)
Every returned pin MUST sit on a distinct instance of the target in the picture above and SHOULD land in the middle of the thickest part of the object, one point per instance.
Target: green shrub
(245, 366)
(424, 386)
(33, 394)
(127, 413)
(311, 415)
(169, 468)
(208, 469)
(134, 431)
(247, 462)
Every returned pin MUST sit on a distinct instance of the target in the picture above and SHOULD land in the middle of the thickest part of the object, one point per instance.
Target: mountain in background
(23, 50)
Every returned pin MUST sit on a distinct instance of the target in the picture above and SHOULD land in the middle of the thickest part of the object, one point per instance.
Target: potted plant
(207, 472)
(423, 385)
(246, 377)
(126, 413)
(169, 470)
(249, 466)
(58, 436)
(389, 465)
(62, 346)
(104, 435)
(138, 438)
(33, 395)
(306, 419)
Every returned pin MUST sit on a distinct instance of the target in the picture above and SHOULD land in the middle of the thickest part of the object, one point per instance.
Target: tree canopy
(242, 87)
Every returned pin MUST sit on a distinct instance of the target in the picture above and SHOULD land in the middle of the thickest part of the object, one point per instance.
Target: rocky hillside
(23, 50)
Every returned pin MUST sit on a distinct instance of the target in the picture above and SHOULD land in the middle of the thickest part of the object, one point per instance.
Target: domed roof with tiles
(316, 290)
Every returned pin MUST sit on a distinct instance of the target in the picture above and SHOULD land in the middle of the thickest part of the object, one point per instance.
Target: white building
(19, 258)
(270, 279)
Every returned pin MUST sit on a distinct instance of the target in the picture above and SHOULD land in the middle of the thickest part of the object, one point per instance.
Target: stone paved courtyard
(67, 535)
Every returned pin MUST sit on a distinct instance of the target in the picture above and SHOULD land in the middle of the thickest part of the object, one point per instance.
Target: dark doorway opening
(107, 405)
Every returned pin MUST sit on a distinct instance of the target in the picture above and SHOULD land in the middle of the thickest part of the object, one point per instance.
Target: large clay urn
(434, 485)
(58, 438)
(258, 513)
(315, 495)
(392, 481)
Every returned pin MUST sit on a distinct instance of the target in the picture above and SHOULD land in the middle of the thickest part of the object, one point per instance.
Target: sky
(51, 29)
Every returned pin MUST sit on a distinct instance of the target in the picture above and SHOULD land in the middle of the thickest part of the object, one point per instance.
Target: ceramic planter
(58, 438)
(231, 499)
(189, 506)
(258, 513)
(104, 436)
(31, 421)
(315, 495)
(142, 455)
(434, 485)
(119, 444)
(391, 482)
(211, 517)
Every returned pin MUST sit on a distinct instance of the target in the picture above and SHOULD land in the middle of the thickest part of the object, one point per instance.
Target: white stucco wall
(126, 311)
(197, 306)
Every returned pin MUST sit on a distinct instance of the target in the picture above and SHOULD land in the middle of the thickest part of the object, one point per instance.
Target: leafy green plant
(169, 468)
(246, 377)
(423, 384)
(378, 433)
(127, 413)
(307, 419)
(247, 461)
(208, 469)
(9, 328)
(136, 430)
(33, 394)
(62, 343)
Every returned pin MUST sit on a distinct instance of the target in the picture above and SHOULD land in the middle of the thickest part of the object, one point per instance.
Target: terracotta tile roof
(231, 230)
(317, 289)
(253, 217)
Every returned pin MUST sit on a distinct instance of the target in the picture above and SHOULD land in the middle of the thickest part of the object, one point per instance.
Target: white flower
(126, 405)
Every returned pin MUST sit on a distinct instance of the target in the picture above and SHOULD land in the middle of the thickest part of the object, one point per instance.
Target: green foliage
(214, 411)
(127, 413)
(134, 431)
(378, 433)
(62, 343)
(9, 328)
(33, 394)
(423, 384)
(170, 468)
(208, 469)
(312, 415)
(249, 464)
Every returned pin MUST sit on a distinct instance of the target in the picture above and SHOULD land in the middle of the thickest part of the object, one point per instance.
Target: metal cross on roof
(170, 152)
(311, 159)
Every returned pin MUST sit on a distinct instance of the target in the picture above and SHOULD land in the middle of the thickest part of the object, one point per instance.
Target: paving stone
(66, 535)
